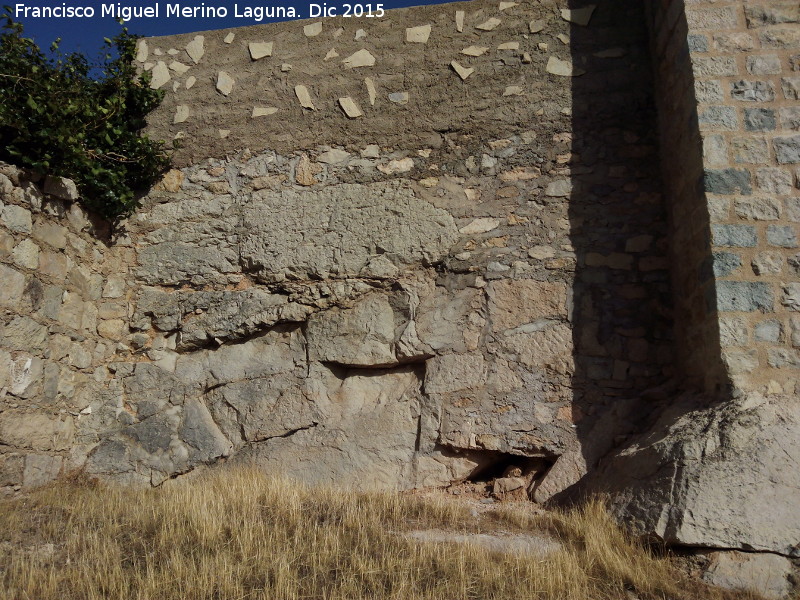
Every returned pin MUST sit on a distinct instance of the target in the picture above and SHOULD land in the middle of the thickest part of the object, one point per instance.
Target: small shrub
(58, 118)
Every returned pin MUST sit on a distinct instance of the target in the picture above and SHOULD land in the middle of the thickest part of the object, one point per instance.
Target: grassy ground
(238, 535)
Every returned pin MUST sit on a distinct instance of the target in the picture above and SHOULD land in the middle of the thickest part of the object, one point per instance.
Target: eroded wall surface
(463, 265)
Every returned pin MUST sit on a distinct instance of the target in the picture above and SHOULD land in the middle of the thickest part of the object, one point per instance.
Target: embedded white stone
(509, 46)
(223, 133)
(475, 50)
(419, 34)
(228, 40)
(304, 97)
(286, 67)
(489, 24)
(578, 16)
(481, 225)
(564, 68)
(362, 58)
(181, 113)
(536, 26)
(563, 38)
(338, 32)
(373, 94)
(332, 53)
(459, 21)
(176, 85)
(190, 81)
(507, 5)
(463, 72)
(160, 75)
(147, 66)
(399, 97)
(172, 52)
(179, 67)
(360, 35)
(224, 83)
(263, 111)
(402, 165)
(195, 48)
(350, 108)
(313, 29)
(513, 90)
(259, 49)
(141, 51)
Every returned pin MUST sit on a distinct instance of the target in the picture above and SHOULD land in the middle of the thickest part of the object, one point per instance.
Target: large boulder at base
(721, 476)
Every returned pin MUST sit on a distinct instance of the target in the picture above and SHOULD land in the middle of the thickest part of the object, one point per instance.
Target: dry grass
(238, 535)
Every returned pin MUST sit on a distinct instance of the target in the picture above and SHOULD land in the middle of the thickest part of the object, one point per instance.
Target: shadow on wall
(622, 309)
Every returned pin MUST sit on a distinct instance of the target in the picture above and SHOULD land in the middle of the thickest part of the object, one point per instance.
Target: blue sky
(86, 34)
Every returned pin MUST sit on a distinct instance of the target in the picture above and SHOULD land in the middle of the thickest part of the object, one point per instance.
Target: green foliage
(57, 118)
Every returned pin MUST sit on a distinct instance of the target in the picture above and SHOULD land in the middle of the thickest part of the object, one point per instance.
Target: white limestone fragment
(373, 94)
(371, 151)
(190, 81)
(564, 68)
(507, 5)
(158, 52)
(224, 83)
(181, 113)
(263, 111)
(362, 58)
(176, 85)
(223, 133)
(332, 53)
(475, 50)
(304, 97)
(195, 49)
(578, 16)
(338, 32)
(172, 52)
(141, 51)
(481, 225)
(350, 107)
(259, 49)
(312, 30)
(147, 66)
(334, 156)
(229, 40)
(526, 58)
(399, 97)
(463, 72)
(459, 21)
(393, 167)
(563, 38)
(286, 67)
(489, 24)
(160, 75)
(178, 67)
(513, 90)
(542, 46)
(419, 34)
(536, 26)
(509, 46)
(360, 35)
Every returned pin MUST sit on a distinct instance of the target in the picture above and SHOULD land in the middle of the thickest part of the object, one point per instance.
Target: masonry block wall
(737, 203)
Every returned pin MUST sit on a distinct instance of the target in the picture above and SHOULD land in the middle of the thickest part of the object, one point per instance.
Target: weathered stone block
(787, 149)
(769, 64)
(774, 180)
(455, 372)
(768, 331)
(750, 150)
(17, 218)
(709, 91)
(753, 91)
(767, 263)
(737, 236)
(13, 285)
(790, 117)
(772, 13)
(725, 263)
(737, 41)
(746, 296)
(733, 331)
(728, 181)
(783, 358)
(764, 574)
(513, 303)
(782, 236)
(718, 117)
(791, 88)
(759, 119)
(712, 18)
(61, 187)
(760, 209)
(708, 66)
(780, 36)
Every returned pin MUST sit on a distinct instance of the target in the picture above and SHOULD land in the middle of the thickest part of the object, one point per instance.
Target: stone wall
(447, 281)
(735, 236)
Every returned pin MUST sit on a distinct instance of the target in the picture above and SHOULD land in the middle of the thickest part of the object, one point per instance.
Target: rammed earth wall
(406, 251)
